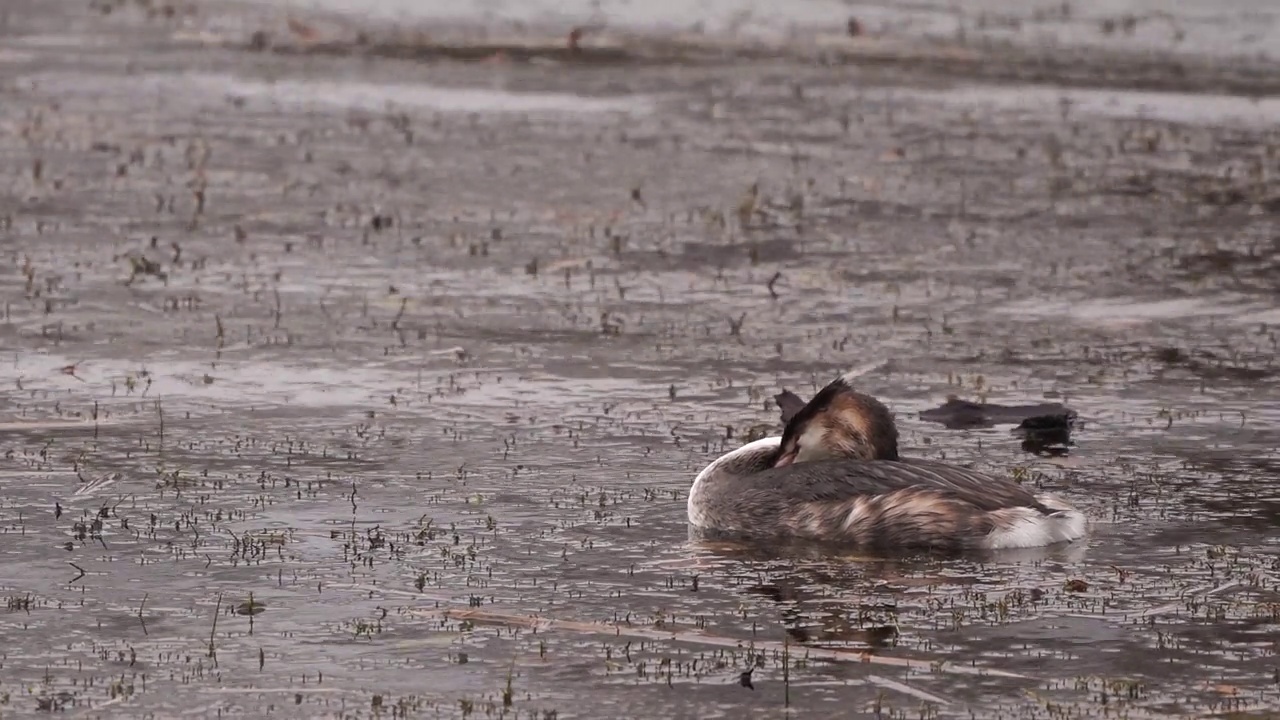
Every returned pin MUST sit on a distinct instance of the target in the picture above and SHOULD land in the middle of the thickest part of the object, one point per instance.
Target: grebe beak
(787, 457)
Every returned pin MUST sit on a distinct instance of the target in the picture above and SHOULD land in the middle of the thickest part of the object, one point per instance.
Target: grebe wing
(887, 503)
(837, 480)
(985, 491)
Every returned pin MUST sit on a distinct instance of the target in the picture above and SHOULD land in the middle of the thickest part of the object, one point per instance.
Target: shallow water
(377, 344)
(283, 94)
(1169, 107)
(1229, 28)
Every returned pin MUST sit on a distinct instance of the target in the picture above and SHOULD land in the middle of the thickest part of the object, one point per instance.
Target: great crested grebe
(835, 476)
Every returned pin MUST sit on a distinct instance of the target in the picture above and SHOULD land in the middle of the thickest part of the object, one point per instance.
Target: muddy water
(306, 357)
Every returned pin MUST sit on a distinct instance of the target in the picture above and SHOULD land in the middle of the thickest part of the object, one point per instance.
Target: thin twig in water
(96, 484)
(700, 637)
(735, 326)
(216, 612)
(773, 281)
(77, 567)
(325, 310)
(905, 689)
(140, 618)
(395, 323)
(1205, 591)
(786, 671)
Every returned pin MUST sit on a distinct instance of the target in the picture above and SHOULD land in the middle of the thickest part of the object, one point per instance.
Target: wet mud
(371, 384)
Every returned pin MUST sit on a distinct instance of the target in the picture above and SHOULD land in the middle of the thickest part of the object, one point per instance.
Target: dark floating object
(1047, 434)
(1045, 428)
(744, 679)
(958, 414)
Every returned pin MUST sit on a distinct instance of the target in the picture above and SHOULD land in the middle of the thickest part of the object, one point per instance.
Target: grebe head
(839, 422)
